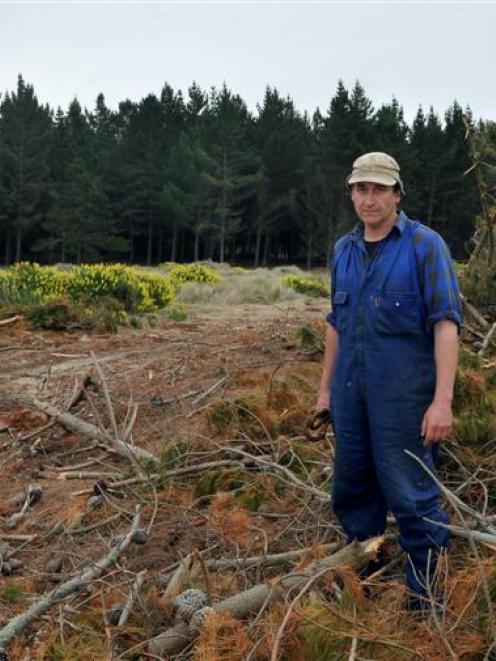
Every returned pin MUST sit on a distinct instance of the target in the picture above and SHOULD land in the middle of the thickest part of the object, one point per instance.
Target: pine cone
(198, 618)
(188, 602)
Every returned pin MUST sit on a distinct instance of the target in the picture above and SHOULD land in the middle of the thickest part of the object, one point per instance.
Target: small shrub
(176, 313)
(478, 283)
(469, 359)
(292, 422)
(11, 592)
(247, 415)
(306, 286)
(107, 315)
(171, 455)
(57, 314)
(250, 497)
(309, 338)
(220, 416)
(221, 480)
(179, 274)
(161, 290)
(474, 402)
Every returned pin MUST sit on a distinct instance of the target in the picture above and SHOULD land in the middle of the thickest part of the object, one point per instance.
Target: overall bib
(383, 382)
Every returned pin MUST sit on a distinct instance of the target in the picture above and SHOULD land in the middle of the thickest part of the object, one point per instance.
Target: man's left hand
(437, 423)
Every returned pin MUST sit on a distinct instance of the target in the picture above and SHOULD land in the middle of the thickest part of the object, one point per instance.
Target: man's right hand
(323, 402)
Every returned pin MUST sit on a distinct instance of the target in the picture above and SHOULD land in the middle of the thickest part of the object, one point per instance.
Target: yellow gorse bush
(179, 274)
(28, 282)
(138, 290)
(308, 286)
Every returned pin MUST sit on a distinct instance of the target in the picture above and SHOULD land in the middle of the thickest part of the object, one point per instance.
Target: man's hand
(437, 423)
(323, 402)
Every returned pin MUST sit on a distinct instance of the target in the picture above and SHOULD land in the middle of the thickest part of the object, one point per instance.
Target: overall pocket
(395, 313)
(342, 309)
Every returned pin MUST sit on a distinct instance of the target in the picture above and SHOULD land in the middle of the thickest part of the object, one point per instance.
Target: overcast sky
(423, 53)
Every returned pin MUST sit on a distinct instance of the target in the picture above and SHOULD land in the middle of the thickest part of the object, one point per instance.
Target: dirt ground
(225, 379)
(168, 371)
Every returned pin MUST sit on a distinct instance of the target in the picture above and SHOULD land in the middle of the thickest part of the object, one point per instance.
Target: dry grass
(230, 511)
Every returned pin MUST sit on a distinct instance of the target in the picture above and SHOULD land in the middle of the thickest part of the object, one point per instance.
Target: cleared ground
(230, 379)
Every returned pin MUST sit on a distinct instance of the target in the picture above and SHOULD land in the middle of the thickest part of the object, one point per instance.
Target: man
(389, 368)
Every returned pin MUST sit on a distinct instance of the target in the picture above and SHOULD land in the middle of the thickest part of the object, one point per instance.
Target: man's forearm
(331, 350)
(446, 357)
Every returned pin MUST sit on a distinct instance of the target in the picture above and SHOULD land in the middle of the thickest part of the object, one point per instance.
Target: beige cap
(376, 167)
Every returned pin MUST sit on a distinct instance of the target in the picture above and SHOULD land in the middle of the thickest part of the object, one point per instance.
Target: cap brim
(372, 177)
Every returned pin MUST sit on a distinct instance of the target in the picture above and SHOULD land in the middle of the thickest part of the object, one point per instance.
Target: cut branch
(133, 594)
(10, 320)
(355, 555)
(263, 560)
(74, 424)
(283, 471)
(475, 313)
(47, 601)
(487, 339)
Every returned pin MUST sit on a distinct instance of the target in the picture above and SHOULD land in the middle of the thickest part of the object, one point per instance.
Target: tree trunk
(223, 225)
(222, 240)
(149, 250)
(174, 243)
(266, 249)
(160, 245)
(258, 243)
(131, 242)
(196, 255)
(18, 244)
(331, 236)
(8, 246)
(430, 208)
(309, 250)
(182, 246)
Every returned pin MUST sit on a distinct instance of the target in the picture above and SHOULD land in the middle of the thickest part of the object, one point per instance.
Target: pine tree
(459, 203)
(236, 170)
(80, 221)
(282, 140)
(141, 173)
(392, 134)
(334, 152)
(25, 134)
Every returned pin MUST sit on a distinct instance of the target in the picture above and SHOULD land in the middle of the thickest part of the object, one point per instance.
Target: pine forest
(189, 177)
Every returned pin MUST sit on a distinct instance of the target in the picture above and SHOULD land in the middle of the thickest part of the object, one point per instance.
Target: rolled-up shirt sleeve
(439, 283)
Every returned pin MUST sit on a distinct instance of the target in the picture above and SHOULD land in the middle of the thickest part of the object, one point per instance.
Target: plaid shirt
(435, 272)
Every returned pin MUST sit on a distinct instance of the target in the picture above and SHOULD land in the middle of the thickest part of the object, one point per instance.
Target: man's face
(375, 204)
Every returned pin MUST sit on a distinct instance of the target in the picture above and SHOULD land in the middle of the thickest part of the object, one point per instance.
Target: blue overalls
(383, 382)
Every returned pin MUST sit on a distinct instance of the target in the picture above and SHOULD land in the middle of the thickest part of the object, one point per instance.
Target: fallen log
(47, 601)
(263, 560)
(74, 424)
(487, 339)
(475, 313)
(355, 555)
(10, 320)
